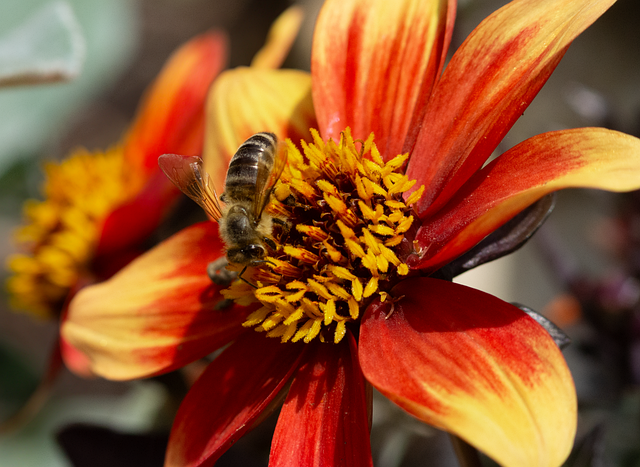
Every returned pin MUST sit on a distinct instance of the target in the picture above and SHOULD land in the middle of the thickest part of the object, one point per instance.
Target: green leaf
(47, 47)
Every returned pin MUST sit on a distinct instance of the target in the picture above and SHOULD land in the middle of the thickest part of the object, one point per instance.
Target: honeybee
(252, 174)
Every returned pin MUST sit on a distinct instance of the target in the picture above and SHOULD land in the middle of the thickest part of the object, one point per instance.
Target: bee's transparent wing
(262, 195)
(187, 173)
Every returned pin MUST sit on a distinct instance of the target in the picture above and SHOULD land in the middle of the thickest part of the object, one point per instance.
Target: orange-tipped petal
(280, 39)
(245, 101)
(471, 364)
(171, 115)
(75, 360)
(230, 398)
(158, 313)
(488, 84)
(584, 157)
(374, 64)
(324, 418)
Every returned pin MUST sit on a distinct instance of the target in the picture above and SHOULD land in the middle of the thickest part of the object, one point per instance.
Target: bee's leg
(284, 225)
(218, 272)
(291, 202)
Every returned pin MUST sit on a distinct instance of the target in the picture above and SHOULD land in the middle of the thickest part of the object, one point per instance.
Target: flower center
(62, 231)
(347, 221)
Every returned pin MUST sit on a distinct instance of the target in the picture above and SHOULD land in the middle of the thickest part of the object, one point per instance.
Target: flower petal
(229, 398)
(488, 84)
(584, 157)
(374, 64)
(75, 360)
(324, 418)
(471, 364)
(171, 115)
(245, 101)
(281, 36)
(156, 314)
(131, 223)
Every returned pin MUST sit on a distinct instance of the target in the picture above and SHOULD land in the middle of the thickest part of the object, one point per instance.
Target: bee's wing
(187, 173)
(271, 177)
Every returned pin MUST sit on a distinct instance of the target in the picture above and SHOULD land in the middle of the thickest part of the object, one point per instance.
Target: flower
(348, 297)
(84, 231)
(101, 206)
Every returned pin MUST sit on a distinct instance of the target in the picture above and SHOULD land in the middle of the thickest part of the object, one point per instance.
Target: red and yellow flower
(349, 298)
(99, 206)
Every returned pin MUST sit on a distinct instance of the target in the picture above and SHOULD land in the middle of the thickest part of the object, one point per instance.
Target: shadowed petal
(229, 398)
(504, 240)
(171, 115)
(475, 366)
(374, 64)
(324, 419)
(584, 157)
(245, 101)
(156, 314)
(488, 84)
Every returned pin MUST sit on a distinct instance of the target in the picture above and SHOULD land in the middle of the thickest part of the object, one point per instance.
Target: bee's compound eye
(254, 251)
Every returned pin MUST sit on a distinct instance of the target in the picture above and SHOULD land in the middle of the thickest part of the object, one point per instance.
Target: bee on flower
(386, 187)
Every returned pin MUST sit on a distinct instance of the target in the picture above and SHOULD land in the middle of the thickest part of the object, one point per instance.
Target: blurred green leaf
(17, 381)
(31, 115)
(47, 47)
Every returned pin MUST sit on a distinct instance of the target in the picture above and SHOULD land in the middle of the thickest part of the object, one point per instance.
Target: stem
(467, 455)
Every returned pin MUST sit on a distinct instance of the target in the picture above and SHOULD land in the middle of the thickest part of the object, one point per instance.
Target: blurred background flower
(589, 241)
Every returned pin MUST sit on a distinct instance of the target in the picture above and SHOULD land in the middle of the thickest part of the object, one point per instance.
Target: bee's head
(246, 255)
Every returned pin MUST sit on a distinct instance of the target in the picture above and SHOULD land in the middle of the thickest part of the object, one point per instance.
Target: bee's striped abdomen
(254, 158)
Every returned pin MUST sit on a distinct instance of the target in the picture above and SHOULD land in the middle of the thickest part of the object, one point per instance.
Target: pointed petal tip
(170, 117)
(281, 36)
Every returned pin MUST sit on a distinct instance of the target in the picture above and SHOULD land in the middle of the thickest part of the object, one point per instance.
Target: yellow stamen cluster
(348, 219)
(62, 231)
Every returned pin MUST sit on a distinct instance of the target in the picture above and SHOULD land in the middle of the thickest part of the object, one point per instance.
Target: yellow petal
(245, 101)
(281, 36)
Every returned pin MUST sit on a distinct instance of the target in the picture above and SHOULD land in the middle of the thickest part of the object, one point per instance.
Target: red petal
(133, 222)
(587, 157)
(475, 366)
(281, 36)
(75, 360)
(156, 314)
(171, 115)
(324, 419)
(488, 84)
(229, 397)
(374, 64)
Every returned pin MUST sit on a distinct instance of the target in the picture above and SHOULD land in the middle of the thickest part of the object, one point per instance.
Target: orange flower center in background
(61, 233)
(344, 244)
